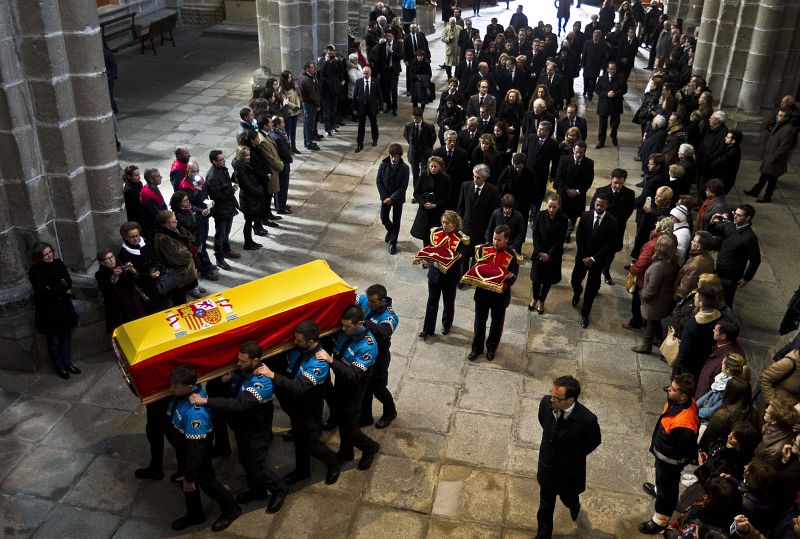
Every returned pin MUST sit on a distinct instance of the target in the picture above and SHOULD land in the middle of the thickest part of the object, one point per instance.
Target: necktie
(477, 192)
(481, 100)
(366, 90)
(414, 39)
(596, 224)
(469, 66)
(577, 163)
(416, 133)
(449, 154)
(550, 78)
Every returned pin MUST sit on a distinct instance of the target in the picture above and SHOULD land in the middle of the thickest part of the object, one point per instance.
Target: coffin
(206, 333)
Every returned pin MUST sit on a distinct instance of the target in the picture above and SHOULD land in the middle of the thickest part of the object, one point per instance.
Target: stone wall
(59, 174)
(202, 12)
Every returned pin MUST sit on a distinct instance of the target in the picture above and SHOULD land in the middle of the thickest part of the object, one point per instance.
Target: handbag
(167, 282)
(629, 283)
(669, 347)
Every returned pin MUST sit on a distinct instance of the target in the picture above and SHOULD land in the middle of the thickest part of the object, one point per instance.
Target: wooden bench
(119, 26)
(163, 27)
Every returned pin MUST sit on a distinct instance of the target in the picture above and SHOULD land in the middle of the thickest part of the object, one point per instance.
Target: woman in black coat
(430, 191)
(451, 116)
(146, 262)
(511, 112)
(486, 154)
(549, 231)
(251, 197)
(121, 297)
(54, 314)
(420, 75)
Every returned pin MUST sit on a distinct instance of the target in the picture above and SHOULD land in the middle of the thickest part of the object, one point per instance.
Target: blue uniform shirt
(192, 421)
(387, 316)
(360, 350)
(259, 386)
(310, 368)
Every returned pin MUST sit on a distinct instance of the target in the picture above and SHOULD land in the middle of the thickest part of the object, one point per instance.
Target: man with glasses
(674, 444)
(570, 432)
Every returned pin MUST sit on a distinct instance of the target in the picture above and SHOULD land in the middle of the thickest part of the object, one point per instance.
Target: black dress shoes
(599, 145)
(62, 374)
(332, 475)
(359, 148)
(226, 520)
(422, 335)
(651, 528)
(272, 224)
(490, 355)
(393, 249)
(584, 322)
(472, 356)
(261, 232)
(276, 501)
(607, 278)
(73, 369)
(649, 488)
(614, 141)
(386, 237)
(445, 330)
(374, 142)
(294, 477)
(367, 459)
(575, 300)
(186, 521)
(574, 512)
(385, 421)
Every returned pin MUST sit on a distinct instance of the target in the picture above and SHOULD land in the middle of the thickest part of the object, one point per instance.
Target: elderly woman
(485, 153)
(440, 283)
(639, 268)
(450, 35)
(54, 314)
(650, 215)
(549, 231)
(431, 191)
(353, 74)
(189, 219)
(146, 262)
(122, 299)
(714, 203)
(657, 291)
(173, 244)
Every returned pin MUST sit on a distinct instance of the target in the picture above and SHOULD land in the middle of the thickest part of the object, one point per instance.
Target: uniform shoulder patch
(258, 385)
(367, 356)
(195, 423)
(369, 339)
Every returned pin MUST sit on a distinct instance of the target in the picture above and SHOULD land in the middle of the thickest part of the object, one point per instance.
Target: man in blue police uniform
(188, 431)
(249, 412)
(354, 353)
(300, 393)
(381, 320)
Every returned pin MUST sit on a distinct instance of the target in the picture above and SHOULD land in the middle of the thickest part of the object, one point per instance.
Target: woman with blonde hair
(656, 294)
(511, 111)
(572, 136)
(444, 283)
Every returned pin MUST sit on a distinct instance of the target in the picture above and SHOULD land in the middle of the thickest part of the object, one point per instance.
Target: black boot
(295, 150)
(194, 511)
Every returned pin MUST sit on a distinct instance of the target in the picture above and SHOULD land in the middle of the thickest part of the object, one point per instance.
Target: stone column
(705, 43)
(694, 11)
(58, 161)
(763, 59)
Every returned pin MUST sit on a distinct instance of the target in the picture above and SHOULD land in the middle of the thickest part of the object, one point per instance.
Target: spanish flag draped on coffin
(206, 333)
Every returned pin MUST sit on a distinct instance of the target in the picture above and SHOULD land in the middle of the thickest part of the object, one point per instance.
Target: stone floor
(460, 459)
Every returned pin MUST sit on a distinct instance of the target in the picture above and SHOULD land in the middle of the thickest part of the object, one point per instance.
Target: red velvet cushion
(485, 275)
(442, 257)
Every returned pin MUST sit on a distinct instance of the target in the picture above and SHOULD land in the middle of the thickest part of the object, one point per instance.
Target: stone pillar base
(426, 19)
(752, 127)
(260, 77)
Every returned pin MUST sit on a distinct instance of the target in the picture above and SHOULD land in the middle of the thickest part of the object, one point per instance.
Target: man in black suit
(513, 76)
(468, 33)
(621, 206)
(486, 120)
(609, 89)
(481, 52)
(552, 80)
(476, 202)
(595, 240)
(414, 41)
(386, 59)
(482, 98)
(466, 68)
(543, 159)
(420, 136)
(456, 165)
(570, 432)
(626, 52)
(574, 177)
(571, 120)
(367, 102)
(468, 138)
(471, 86)
(593, 58)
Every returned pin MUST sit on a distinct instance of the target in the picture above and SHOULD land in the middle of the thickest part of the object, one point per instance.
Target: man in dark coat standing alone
(367, 102)
(392, 184)
(609, 89)
(570, 432)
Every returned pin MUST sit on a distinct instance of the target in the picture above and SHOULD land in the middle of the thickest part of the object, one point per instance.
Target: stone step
(230, 30)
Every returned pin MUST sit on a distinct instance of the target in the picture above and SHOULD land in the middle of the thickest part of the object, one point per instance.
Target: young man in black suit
(621, 206)
(456, 165)
(542, 158)
(574, 177)
(609, 89)
(595, 240)
(367, 101)
(570, 432)
(420, 136)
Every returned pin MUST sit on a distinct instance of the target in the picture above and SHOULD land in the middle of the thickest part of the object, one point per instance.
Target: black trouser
(306, 418)
(155, 429)
(770, 181)
(362, 124)
(282, 196)
(540, 288)
(252, 441)
(216, 388)
(729, 288)
(444, 286)
(588, 86)
(548, 490)
(668, 478)
(489, 302)
(213, 488)
(330, 104)
(636, 308)
(392, 225)
(603, 126)
(416, 160)
(607, 265)
(579, 272)
(348, 410)
(378, 387)
(247, 230)
(389, 90)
